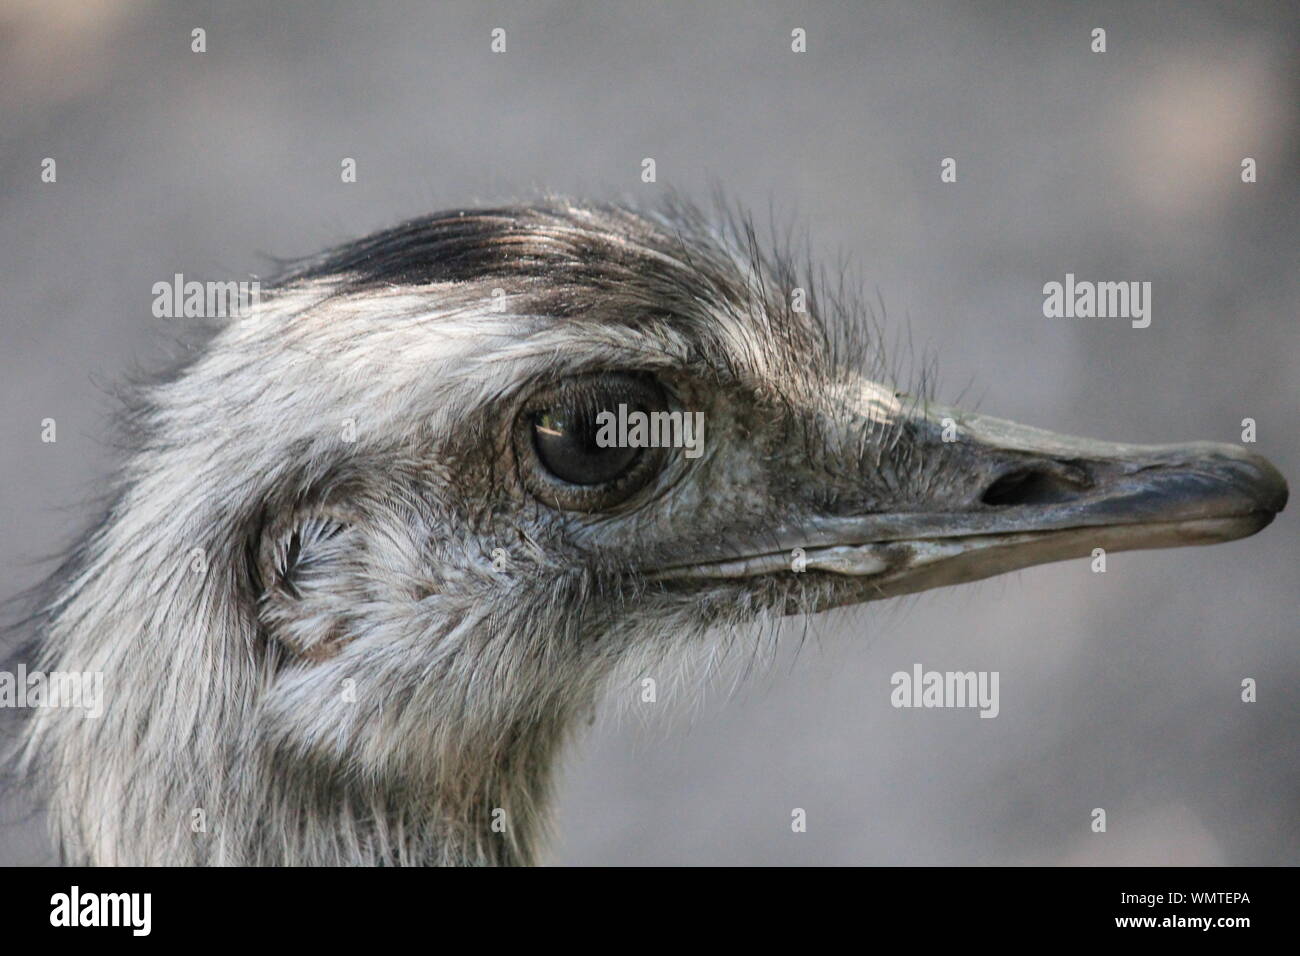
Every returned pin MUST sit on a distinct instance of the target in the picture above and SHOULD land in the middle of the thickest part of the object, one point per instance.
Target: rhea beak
(1035, 497)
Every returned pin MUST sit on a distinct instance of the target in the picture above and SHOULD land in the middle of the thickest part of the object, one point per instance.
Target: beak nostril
(1030, 486)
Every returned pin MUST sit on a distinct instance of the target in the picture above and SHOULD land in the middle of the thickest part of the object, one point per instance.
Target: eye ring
(556, 434)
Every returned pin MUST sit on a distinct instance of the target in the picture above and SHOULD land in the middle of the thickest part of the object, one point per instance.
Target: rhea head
(422, 565)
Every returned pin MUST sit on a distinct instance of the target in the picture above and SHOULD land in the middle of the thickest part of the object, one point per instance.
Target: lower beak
(1036, 497)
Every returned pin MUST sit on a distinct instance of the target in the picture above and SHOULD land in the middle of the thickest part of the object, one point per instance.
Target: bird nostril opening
(1031, 487)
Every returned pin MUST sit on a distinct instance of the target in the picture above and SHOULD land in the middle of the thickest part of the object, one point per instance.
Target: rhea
(368, 567)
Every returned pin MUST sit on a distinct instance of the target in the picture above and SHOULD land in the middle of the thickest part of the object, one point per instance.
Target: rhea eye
(568, 445)
(579, 439)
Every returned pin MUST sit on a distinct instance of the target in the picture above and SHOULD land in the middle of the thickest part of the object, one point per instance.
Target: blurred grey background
(1118, 690)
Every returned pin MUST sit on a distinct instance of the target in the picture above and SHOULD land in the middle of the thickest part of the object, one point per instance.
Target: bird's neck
(481, 814)
(188, 764)
(251, 806)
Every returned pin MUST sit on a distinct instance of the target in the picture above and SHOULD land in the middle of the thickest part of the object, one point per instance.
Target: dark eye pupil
(565, 439)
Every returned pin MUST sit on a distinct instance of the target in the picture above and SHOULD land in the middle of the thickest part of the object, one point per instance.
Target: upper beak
(1032, 497)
